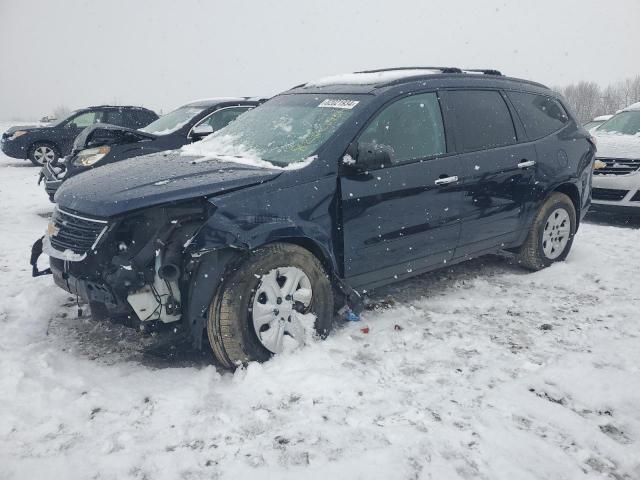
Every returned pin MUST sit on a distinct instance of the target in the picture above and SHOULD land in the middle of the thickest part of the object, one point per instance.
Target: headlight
(16, 134)
(90, 156)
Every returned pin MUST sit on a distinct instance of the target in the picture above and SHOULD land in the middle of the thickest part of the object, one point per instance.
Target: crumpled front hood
(150, 180)
(615, 145)
(105, 134)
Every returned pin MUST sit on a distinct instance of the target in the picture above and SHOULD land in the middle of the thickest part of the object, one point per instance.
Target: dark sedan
(102, 144)
(46, 143)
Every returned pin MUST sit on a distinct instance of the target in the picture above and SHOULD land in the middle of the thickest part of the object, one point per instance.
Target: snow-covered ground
(478, 371)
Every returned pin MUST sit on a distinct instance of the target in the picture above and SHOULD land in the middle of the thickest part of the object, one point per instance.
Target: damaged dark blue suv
(257, 235)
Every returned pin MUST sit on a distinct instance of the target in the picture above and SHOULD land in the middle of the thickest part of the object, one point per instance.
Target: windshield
(626, 123)
(283, 131)
(172, 121)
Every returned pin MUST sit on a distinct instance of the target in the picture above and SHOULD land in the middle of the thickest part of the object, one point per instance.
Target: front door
(402, 219)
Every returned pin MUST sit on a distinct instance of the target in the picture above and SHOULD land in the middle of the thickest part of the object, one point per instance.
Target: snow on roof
(217, 100)
(370, 78)
(633, 106)
(602, 118)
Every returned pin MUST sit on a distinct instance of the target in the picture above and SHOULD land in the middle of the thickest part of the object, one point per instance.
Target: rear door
(402, 219)
(499, 170)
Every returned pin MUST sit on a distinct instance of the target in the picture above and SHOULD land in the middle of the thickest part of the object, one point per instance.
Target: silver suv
(616, 175)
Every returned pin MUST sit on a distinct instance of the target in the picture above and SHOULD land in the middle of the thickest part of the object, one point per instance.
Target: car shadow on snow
(22, 164)
(166, 347)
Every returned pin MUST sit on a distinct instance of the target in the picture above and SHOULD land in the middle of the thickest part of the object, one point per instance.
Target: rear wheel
(277, 299)
(551, 234)
(42, 153)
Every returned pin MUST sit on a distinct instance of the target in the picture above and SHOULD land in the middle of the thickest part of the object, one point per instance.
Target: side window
(223, 117)
(412, 127)
(85, 119)
(144, 118)
(133, 119)
(113, 117)
(482, 119)
(540, 115)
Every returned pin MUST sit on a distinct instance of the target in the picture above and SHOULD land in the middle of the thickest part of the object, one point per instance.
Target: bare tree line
(589, 100)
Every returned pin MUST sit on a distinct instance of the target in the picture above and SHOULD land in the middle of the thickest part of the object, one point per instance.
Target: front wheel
(42, 153)
(277, 299)
(551, 234)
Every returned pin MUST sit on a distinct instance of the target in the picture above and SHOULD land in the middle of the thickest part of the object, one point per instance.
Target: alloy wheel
(43, 154)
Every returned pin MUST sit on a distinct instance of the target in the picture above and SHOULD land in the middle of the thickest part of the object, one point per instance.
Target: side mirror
(367, 156)
(200, 131)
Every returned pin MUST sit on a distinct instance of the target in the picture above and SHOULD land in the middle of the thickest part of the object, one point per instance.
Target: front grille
(74, 232)
(618, 166)
(610, 194)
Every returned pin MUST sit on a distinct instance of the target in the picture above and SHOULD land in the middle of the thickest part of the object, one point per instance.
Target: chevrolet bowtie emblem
(598, 164)
(52, 230)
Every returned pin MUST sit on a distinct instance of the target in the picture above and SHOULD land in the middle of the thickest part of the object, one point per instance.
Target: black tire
(532, 253)
(230, 325)
(47, 149)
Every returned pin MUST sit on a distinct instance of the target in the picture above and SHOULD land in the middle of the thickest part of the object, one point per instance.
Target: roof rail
(442, 69)
(486, 71)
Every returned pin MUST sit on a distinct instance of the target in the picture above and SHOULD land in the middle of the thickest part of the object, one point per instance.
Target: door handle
(446, 180)
(526, 164)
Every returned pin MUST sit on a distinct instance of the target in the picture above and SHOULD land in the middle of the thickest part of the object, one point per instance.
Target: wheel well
(572, 192)
(314, 248)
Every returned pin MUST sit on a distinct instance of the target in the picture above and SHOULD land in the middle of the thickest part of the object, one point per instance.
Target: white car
(596, 122)
(616, 175)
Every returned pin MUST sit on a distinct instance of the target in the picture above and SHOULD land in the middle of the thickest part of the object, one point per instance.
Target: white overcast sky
(163, 53)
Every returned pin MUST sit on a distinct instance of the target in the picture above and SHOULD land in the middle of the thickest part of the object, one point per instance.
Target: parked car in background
(616, 175)
(255, 234)
(596, 122)
(47, 143)
(101, 144)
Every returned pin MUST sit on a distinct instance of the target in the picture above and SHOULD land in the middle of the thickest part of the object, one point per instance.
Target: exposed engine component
(159, 300)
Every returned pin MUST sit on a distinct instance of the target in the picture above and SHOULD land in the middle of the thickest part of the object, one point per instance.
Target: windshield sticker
(336, 103)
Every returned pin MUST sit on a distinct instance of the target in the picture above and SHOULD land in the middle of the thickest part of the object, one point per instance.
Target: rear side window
(411, 126)
(482, 119)
(144, 117)
(131, 119)
(114, 117)
(540, 114)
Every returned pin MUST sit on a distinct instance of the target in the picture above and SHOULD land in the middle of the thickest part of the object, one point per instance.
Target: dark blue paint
(369, 228)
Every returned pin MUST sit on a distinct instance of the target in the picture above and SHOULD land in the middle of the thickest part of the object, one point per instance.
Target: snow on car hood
(617, 145)
(150, 180)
